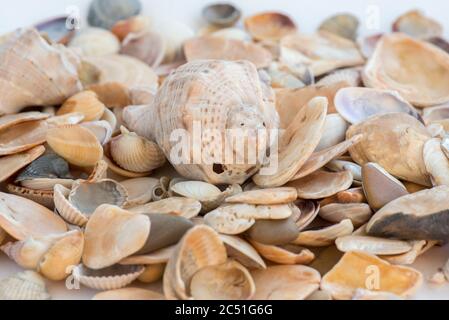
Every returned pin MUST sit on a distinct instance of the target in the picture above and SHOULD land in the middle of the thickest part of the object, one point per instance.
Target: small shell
(85, 102)
(335, 128)
(22, 137)
(183, 207)
(153, 273)
(75, 144)
(113, 234)
(115, 277)
(140, 190)
(285, 283)
(265, 196)
(350, 274)
(11, 164)
(56, 29)
(345, 165)
(216, 48)
(110, 117)
(372, 245)
(147, 46)
(309, 211)
(134, 24)
(415, 24)
(437, 163)
(11, 120)
(42, 197)
(95, 42)
(274, 232)
(326, 236)
(112, 94)
(222, 15)
(243, 252)
(128, 294)
(105, 14)
(350, 196)
(358, 213)
(136, 154)
(286, 255)
(343, 25)
(271, 26)
(155, 258)
(101, 129)
(27, 285)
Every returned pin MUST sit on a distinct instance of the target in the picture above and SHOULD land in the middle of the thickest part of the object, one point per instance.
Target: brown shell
(22, 136)
(270, 26)
(85, 102)
(9, 165)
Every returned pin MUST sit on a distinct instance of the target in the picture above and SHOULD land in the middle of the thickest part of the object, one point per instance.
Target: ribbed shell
(24, 286)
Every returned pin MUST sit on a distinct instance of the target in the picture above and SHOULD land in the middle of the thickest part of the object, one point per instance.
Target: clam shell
(274, 232)
(358, 213)
(436, 113)
(401, 52)
(340, 164)
(147, 46)
(395, 141)
(297, 143)
(11, 164)
(105, 14)
(66, 209)
(335, 128)
(27, 285)
(11, 120)
(113, 234)
(128, 294)
(415, 24)
(42, 197)
(417, 216)
(112, 95)
(343, 25)
(325, 236)
(155, 258)
(351, 76)
(350, 196)
(201, 247)
(380, 187)
(309, 211)
(133, 24)
(115, 277)
(322, 184)
(358, 104)
(286, 255)
(22, 218)
(140, 190)
(265, 196)
(222, 15)
(95, 42)
(152, 273)
(372, 245)
(216, 48)
(85, 102)
(22, 137)
(243, 252)
(321, 52)
(350, 274)
(409, 257)
(101, 129)
(67, 119)
(271, 26)
(285, 282)
(228, 281)
(183, 207)
(75, 144)
(45, 75)
(437, 163)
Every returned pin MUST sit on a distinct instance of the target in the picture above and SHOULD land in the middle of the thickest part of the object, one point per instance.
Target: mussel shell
(13, 163)
(106, 13)
(49, 165)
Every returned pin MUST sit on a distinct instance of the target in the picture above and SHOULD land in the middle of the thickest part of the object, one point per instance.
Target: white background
(307, 14)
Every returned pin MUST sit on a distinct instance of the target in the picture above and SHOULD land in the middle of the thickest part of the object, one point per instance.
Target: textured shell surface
(218, 95)
(49, 165)
(11, 164)
(106, 13)
(27, 285)
(95, 42)
(46, 75)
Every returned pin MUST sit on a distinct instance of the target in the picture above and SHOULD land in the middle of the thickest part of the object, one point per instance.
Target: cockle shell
(105, 14)
(67, 119)
(372, 245)
(228, 281)
(85, 102)
(270, 26)
(265, 196)
(47, 75)
(95, 42)
(350, 274)
(390, 67)
(128, 294)
(415, 24)
(75, 144)
(343, 25)
(147, 46)
(226, 49)
(286, 255)
(243, 252)
(222, 15)
(358, 213)
(111, 278)
(9, 165)
(395, 141)
(285, 282)
(184, 207)
(22, 218)
(11, 120)
(27, 285)
(22, 137)
(234, 105)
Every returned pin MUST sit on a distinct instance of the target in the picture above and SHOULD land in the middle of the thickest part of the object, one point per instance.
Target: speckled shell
(33, 72)
(105, 13)
(219, 95)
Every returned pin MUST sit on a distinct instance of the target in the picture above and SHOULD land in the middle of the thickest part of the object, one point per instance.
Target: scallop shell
(417, 216)
(11, 120)
(321, 52)
(297, 144)
(358, 213)
(358, 104)
(415, 24)
(401, 52)
(343, 25)
(184, 207)
(85, 102)
(222, 15)
(325, 236)
(350, 274)
(136, 154)
(265, 196)
(201, 247)
(228, 281)
(285, 255)
(95, 42)
(22, 137)
(27, 285)
(372, 245)
(46, 75)
(243, 252)
(216, 48)
(113, 234)
(285, 282)
(395, 141)
(128, 294)
(147, 46)
(253, 110)
(11, 164)
(271, 26)
(75, 144)
(22, 218)
(105, 14)
(111, 278)
(437, 163)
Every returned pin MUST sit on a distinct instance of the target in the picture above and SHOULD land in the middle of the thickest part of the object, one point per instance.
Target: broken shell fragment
(350, 274)
(415, 24)
(95, 42)
(285, 282)
(9, 165)
(228, 281)
(272, 26)
(155, 258)
(85, 102)
(325, 236)
(111, 278)
(335, 128)
(274, 232)
(265, 196)
(354, 195)
(372, 245)
(243, 252)
(101, 129)
(358, 213)
(26, 285)
(104, 14)
(222, 15)
(128, 294)
(285, 255)
(418, 248)
(183, 207)
(437, 163)
(147, 46)
(343, 25)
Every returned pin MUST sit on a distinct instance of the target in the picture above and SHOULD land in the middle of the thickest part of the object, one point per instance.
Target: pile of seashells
(89, 190)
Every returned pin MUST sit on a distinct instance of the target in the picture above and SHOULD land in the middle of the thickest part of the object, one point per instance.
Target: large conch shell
(33, 72)
(215, 96)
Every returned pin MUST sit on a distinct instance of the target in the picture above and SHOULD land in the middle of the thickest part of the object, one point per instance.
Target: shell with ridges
(85, 102)
(241, 251)
(27, 285)
(95, 42)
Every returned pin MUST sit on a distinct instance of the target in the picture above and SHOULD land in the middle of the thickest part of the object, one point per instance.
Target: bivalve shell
(271, 26)
(85, 102)
(27, 285)
(115, 277)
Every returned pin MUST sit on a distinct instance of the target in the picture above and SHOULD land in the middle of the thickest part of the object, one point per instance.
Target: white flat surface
(307, 14)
